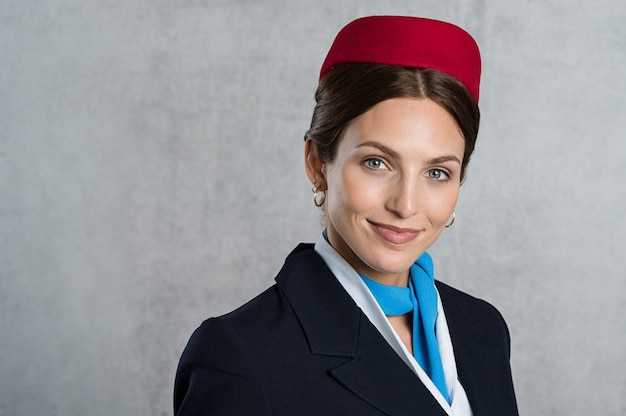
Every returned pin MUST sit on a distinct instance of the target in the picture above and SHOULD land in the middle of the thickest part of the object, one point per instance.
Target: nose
(403, 196)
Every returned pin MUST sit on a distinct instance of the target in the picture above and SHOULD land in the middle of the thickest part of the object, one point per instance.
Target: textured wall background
(151, 176)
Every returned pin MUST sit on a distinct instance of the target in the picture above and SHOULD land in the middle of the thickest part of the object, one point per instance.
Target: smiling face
(392, 185)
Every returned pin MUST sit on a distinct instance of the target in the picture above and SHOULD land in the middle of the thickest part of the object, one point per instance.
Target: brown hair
(349, 90)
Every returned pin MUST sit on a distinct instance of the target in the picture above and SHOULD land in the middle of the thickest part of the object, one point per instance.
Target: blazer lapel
(381, 378)
(481, 367)
(335, 326)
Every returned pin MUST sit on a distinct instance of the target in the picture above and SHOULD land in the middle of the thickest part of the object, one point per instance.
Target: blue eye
(374, 163)
(438, 175)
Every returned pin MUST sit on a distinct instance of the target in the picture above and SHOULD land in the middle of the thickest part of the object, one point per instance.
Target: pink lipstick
(395, 234)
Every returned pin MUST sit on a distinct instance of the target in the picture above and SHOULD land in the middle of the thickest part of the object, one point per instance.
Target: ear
(314, 166)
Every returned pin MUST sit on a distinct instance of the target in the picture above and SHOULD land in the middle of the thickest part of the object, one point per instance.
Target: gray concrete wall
(151, 176)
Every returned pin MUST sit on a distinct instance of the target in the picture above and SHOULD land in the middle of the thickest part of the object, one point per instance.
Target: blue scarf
(420, 298)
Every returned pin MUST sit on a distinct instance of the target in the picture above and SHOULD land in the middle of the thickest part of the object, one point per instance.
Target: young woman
(356, 324)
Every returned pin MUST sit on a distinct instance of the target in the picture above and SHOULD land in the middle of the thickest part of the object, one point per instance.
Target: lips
(393, 234)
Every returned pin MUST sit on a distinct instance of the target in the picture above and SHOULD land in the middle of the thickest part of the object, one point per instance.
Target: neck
(389, 279)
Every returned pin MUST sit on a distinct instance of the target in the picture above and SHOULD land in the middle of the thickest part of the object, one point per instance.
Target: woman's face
(392, 186)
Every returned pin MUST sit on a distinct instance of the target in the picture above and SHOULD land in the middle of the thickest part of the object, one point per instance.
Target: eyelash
(446, 174)
(367, 163)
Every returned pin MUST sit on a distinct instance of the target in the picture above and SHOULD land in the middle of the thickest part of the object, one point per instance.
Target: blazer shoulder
(471, 303)
(218, 372)
(217, 375)
(465, 311)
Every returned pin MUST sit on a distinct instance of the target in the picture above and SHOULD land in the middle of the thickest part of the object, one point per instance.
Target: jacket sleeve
(216, 375)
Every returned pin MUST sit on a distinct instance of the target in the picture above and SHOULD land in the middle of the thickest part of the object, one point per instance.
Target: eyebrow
(381, 147)
(444, 159)
(392, 153)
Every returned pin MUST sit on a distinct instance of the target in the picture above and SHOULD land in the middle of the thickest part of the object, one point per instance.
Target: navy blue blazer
(303, 347)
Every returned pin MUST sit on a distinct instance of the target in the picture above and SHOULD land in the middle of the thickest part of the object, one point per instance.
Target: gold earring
(448, 225)
(319, 197)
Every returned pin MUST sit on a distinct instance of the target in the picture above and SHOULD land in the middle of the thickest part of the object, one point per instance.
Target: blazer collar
(335, 326)
(328, 315)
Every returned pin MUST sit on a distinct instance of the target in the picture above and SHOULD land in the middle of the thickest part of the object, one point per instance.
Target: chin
(386, 266)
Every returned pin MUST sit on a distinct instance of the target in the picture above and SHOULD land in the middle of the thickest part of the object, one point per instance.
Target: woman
(356, 324)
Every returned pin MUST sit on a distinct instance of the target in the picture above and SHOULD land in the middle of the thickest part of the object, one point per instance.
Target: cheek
(350, 192)
(442, 205)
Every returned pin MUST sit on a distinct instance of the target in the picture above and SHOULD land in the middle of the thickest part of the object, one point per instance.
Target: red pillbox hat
(408, 41)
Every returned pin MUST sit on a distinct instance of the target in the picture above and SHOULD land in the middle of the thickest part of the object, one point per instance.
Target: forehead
(407, 125)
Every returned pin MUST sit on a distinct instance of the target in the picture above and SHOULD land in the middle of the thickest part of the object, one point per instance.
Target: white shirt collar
(364, 299)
